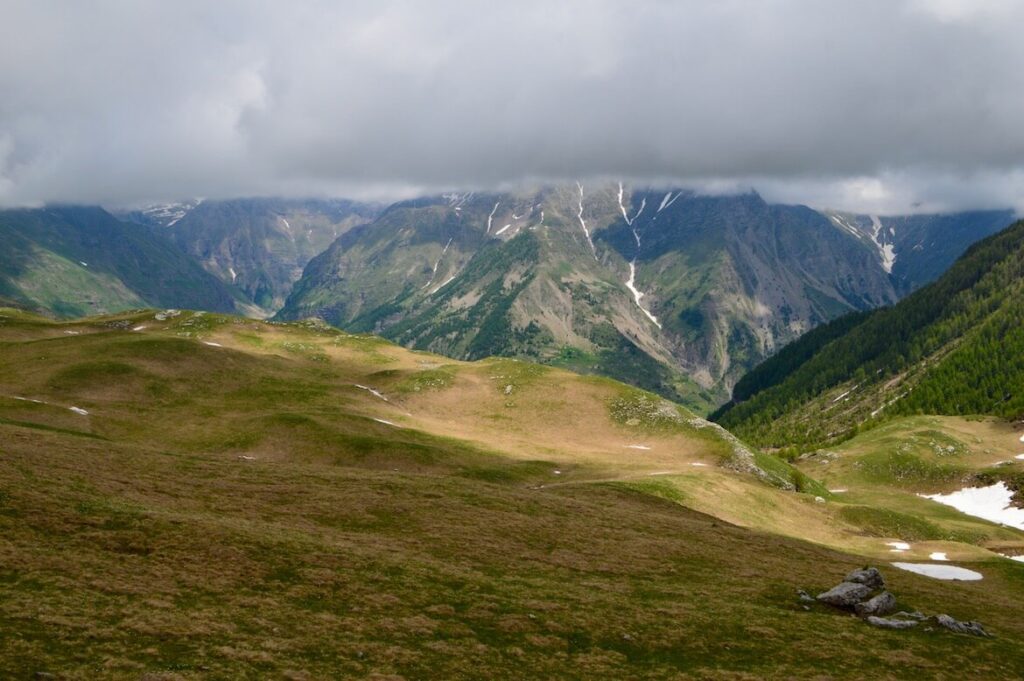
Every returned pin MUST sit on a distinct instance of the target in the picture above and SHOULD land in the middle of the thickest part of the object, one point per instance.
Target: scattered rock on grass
(869, 577)
(855, 593)
(890, 623)
(882, 604)
(972, 628)
(845, 595)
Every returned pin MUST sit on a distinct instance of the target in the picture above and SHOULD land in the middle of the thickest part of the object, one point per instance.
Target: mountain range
(258, 245)
(675, 291)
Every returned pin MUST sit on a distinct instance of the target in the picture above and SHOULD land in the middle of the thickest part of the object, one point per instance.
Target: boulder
(869, 577)
(886, 623)
(845, 595)
(972, 628)
(882, 604)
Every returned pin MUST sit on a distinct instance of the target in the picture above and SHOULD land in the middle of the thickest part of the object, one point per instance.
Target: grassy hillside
(954, 347)
(243, 499)
(72, 261)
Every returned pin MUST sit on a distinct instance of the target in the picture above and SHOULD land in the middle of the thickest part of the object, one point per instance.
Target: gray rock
(869, 577)
(971, 628)
(916, 615)
(886, 623)
(845, 595)
(882, 604)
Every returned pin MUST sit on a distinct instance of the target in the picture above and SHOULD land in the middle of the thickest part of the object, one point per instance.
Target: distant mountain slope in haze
(916, 249)
(262, 245)
(74, 260)
(953, 347)
(677, 292)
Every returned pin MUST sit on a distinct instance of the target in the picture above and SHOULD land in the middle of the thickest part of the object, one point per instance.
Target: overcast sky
(857, 104)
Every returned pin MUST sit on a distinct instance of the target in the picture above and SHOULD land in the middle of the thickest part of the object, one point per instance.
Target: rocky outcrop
(845, 595)
(863, 592)
(882, 604)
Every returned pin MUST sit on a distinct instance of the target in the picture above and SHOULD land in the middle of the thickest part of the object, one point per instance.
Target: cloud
(886, 102)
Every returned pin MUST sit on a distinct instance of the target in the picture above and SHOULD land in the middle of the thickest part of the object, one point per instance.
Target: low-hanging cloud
(860, 104)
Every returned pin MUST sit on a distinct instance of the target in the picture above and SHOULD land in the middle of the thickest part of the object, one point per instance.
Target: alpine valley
(678, 292)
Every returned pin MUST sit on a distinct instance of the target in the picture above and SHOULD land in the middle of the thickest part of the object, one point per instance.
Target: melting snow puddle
(947, 572)
(938, 555)
(898, 546)
(79, 411)
(212, 344)
(644, 447)
(989, 503)
(371, 391)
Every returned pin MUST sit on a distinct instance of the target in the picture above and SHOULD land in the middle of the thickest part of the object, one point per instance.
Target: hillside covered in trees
(953, 347)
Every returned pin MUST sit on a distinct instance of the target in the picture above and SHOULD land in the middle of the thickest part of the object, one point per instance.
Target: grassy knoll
(245, 510)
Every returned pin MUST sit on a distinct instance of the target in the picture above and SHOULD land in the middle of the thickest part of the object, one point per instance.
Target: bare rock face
(882, 604)
(886, 623)
(845, 595)
(870, 577)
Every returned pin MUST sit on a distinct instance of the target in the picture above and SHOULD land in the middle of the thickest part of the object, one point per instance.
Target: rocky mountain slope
(953, 347)
(916, 249)
(678, 292)
(74, 260)
(259, 246)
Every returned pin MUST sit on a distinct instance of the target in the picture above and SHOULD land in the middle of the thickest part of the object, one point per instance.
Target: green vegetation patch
(879, 522)
(636, 408)
(427, 380)
(905, 469)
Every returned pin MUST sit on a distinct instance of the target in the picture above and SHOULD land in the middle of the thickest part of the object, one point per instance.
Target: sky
(869, 105)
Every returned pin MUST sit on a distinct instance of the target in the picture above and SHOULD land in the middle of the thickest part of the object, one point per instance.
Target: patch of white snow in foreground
(140, 327)
(948, 572)
(839, 490)
(1019, 559)
(212, 344)
(637, 447)
(387, 423)
(990, 503)
(697, 463)
(79, 411)
(938, 555)
(1019, 456)
(898, 545)
(1022, 438)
